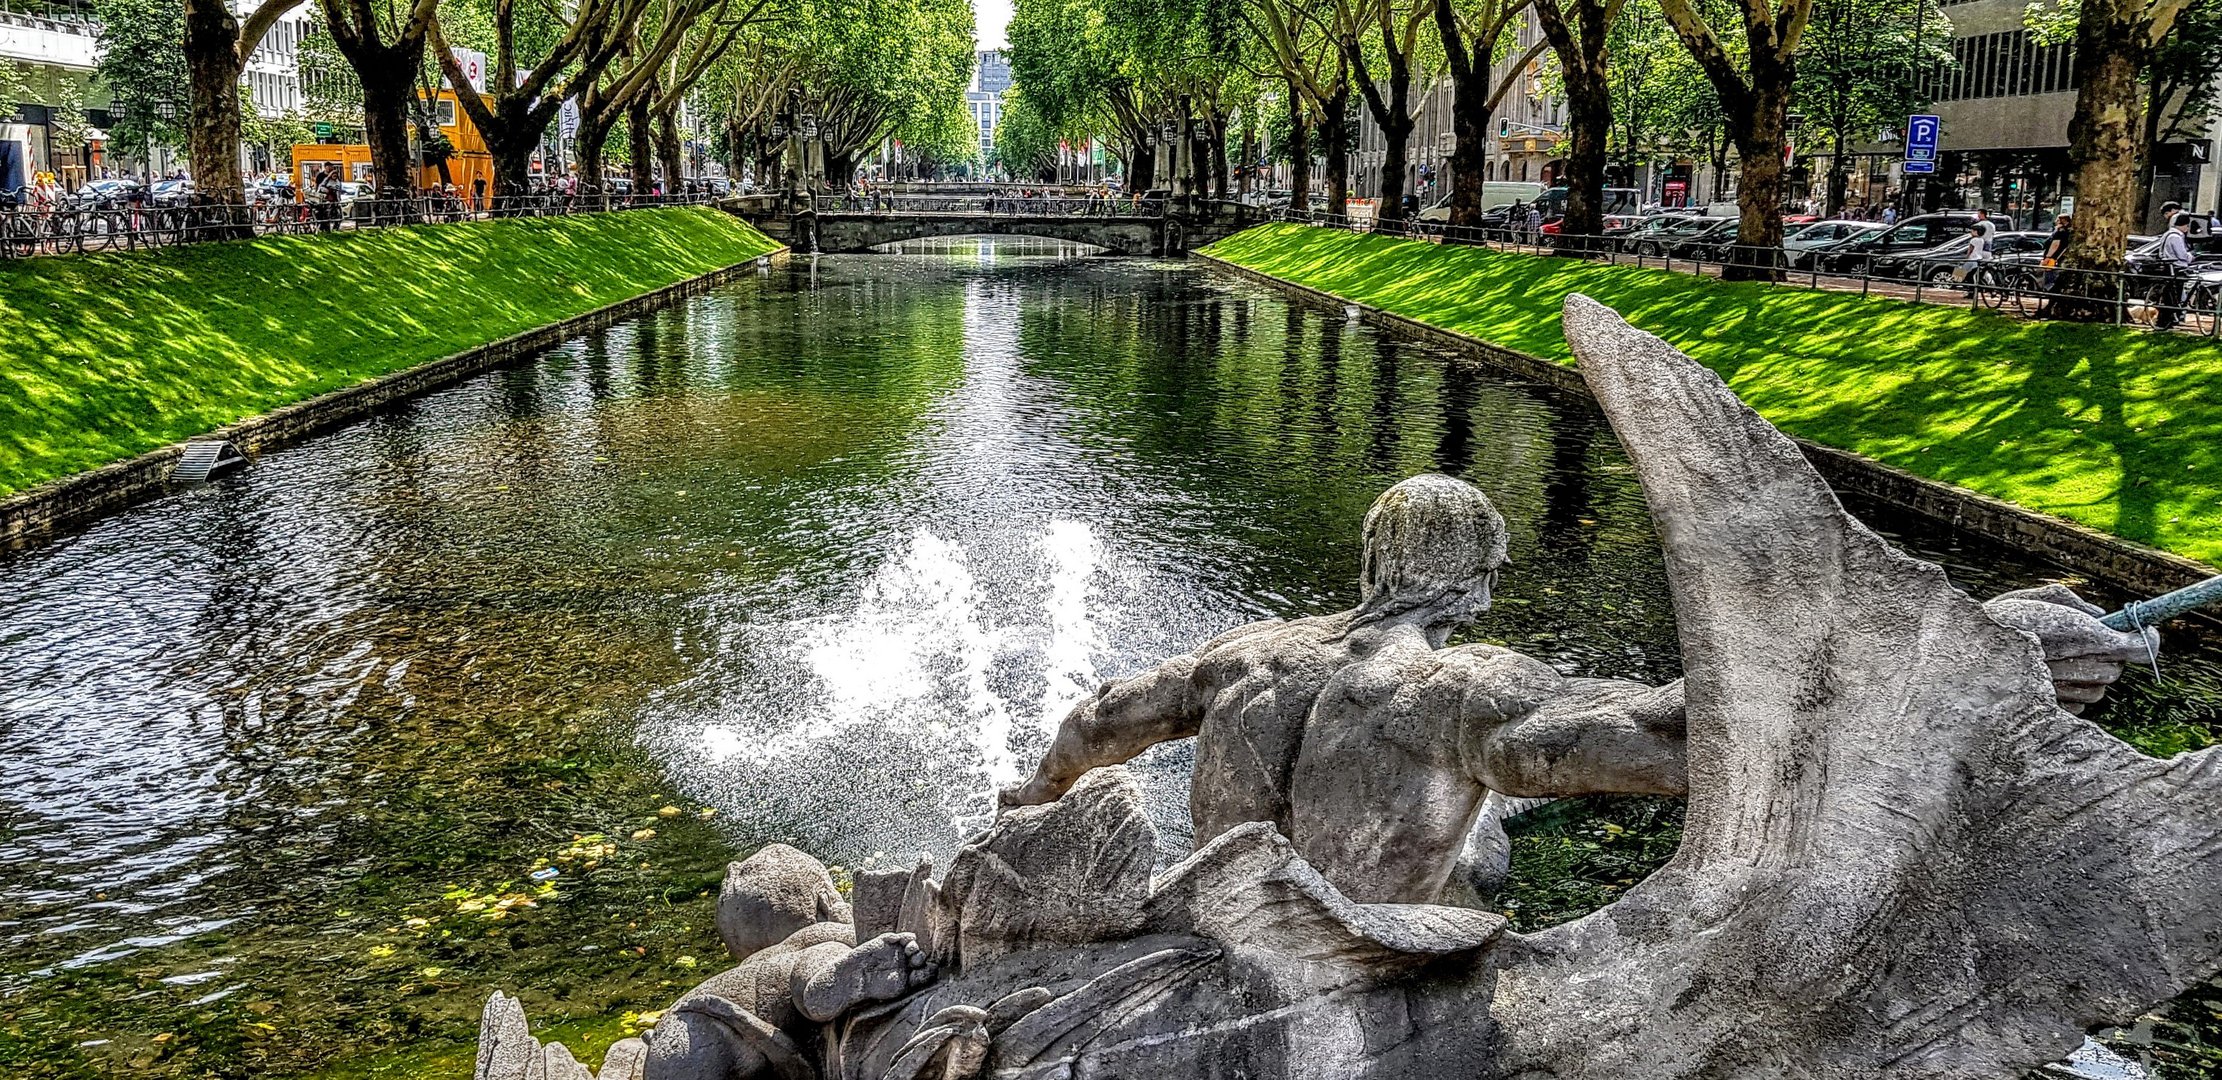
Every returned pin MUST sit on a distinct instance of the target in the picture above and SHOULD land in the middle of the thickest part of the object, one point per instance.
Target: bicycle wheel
(18, 236)
(67, 230)
(1991, 291)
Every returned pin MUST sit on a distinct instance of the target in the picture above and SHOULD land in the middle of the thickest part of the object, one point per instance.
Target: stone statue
(1372, 747)
(1902, 858)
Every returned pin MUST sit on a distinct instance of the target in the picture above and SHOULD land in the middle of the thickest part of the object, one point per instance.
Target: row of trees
(1161, 81)
(780, 83)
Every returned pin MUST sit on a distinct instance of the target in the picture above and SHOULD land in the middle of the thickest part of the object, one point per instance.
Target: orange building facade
(470, 163)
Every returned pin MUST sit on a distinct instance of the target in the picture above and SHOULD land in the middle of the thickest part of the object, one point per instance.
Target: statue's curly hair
(1427, 540)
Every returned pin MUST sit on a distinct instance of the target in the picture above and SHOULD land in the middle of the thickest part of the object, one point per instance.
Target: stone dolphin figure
(1902, 858)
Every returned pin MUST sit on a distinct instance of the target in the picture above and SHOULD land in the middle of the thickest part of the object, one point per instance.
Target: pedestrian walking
(1890, 216)
(478, 193)
(1535, 224)
(2056, 248)
(328, 196)
(1978, 249)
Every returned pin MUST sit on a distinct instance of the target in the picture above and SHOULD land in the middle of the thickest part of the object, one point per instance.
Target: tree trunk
(1299, 154)
(640, 143)
(1840, 178)
(593, 140)
(1589, 122)
(1215, 131)
(212, 130)
(1142, 166)
(670, 153)
(2103, 136)
(1758, 134)
(387, 91)
(1394, 117)
(1469, 154)
(1334, 129)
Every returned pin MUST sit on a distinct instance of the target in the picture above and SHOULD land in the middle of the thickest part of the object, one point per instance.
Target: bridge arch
(863, 231)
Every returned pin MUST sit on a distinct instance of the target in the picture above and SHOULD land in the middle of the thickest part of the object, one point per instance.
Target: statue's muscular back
(1255, 685)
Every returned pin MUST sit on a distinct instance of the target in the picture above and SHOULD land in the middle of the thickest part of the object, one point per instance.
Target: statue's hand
(2084, 654)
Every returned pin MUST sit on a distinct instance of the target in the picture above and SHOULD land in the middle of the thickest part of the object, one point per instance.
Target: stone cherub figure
(1372, 746)
(800, 966)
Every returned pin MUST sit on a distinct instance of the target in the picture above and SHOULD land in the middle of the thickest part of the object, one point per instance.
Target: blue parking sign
(1921, 143)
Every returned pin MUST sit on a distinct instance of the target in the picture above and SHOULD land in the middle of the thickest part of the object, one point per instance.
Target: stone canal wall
(2110, 560)
(38, 514)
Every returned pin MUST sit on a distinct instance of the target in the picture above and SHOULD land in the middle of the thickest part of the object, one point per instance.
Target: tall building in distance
(991, 75)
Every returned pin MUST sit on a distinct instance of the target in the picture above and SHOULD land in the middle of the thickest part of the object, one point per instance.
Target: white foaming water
(886, 719)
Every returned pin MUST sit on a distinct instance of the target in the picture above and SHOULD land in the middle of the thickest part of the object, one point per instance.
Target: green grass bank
(112, 355)
(2117, 429)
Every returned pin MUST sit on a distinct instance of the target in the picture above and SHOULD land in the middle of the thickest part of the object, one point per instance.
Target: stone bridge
(830, 229)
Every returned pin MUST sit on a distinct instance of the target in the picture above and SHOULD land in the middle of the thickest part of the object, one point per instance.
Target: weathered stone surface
(1071, 873)
(1250, 889)
(625, 1060)
(1901, 857)
(895, 901)
(506, 1048)
(772, 894)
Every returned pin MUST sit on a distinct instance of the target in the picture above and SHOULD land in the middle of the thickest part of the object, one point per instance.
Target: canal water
(297, 766)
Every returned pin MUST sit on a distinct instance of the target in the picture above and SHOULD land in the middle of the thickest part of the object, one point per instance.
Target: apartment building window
(2008, 64)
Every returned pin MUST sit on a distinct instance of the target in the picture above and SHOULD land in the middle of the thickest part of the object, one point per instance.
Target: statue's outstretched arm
(1124, 718)
(1601, 736)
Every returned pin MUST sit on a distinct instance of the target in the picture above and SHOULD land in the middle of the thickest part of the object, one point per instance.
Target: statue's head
(1431, 543)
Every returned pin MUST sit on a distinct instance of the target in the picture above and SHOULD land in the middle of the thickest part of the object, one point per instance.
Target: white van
(1494, 194)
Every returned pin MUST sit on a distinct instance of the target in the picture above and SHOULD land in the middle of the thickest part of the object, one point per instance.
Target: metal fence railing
(992, 204)
(2187, 303)
(27, 230)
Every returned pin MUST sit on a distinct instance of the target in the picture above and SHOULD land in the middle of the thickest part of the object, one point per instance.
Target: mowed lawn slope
(111, 355)
(2117, 429)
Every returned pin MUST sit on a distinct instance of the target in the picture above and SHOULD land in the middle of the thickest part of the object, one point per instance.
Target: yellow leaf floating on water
(687, 962)
(668, 812)
(709, 812)
(644, 835)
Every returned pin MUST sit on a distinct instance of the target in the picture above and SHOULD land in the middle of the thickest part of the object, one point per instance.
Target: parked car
(1936, 264)
(1803, 245)
(1713, 242)
(170, 193)
(1913, 234)
(101, 195)
(2144, 253)
(1655, 235)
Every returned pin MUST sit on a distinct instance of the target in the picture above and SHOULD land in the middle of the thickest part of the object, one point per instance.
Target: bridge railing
(992, 205)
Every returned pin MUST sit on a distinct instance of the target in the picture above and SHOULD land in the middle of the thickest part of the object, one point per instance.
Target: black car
(1934, 264)
(1714, 242)
(1657, 235)
(1908, 236)
(2144, 258)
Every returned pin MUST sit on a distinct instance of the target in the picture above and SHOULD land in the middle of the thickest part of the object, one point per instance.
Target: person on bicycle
(2175, 262)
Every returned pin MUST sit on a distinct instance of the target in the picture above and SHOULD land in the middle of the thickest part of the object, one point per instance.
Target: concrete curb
(2110, 560)
(40, 513)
